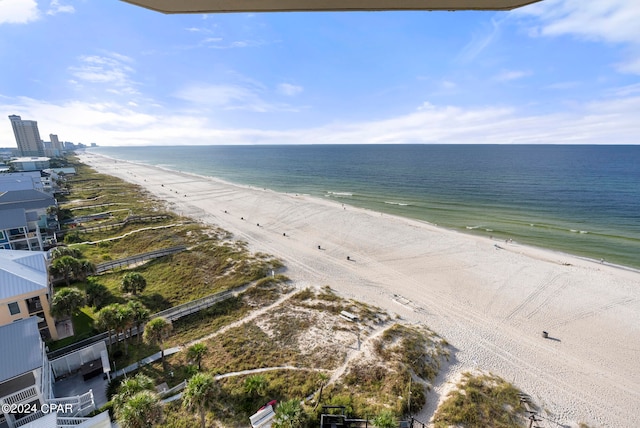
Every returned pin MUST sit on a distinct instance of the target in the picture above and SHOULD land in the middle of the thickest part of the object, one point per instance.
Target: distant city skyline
(554, 72)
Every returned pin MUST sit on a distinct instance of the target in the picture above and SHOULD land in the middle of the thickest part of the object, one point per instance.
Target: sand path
(491, 300)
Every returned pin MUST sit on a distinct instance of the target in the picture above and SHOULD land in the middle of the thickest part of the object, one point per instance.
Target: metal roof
(20, 348)
(22, 272)
(28, 199)
(204, 6)
(13, 218)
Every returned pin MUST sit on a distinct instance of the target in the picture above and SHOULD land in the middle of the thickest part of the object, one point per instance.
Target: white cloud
(289, 89)
(507, 75)
(111, 69)
(630, 66)
(610, 21)
(249, 97)
(55, 8)
(18, 11)
(606, 121)
(479, 42)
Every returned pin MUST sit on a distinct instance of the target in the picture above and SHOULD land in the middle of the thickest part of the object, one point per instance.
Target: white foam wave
(402, 204)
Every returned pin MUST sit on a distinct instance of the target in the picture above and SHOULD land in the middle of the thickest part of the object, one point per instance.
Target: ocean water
(583, 200)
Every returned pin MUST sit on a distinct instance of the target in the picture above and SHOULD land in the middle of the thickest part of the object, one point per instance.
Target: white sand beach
(490, 299)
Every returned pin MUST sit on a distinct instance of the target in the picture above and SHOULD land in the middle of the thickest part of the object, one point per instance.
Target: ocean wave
(402, 204)
(578, 231)
(473, 227)
(339, 194)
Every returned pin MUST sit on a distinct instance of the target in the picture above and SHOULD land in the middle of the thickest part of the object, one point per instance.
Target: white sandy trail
(490, 303)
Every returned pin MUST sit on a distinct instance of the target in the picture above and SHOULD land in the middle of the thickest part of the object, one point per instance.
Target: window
(14, 308)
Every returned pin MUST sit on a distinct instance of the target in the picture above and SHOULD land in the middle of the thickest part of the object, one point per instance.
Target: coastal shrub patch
(481, 401)
(384, 379)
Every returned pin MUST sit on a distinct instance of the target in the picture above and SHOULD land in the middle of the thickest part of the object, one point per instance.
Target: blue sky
(105, 71)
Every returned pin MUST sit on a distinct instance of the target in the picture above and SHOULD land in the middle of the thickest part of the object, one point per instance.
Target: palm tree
(196, 352)
(83, 269)
(256, 384)
(66, 302)
(322, 381)
(289, 414)
(124, 322)
(130, 387)
(155, 332)
(142, 410)
(107, 320)
(140, 316)
(97, 294)
(133, 282)
(64, 266)
(200, 393)
(58, 252)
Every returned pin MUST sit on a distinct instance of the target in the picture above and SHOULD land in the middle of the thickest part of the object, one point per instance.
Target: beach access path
(491, 302)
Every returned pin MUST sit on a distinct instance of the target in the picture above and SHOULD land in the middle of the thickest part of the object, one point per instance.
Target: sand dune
(490, 299)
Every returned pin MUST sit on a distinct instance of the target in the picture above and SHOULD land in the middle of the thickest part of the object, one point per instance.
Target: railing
(172, 314)
(29, 418)
(103, 267)
(194, 306)
(81, 404)
(172, 391)
(70, 422)
(22, 395)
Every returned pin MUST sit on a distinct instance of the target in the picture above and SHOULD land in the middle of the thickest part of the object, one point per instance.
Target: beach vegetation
(482, 401)
(200, 394)
(196, 352)
(66, 302)
(156, 331)
(300, 337)
(133, 282)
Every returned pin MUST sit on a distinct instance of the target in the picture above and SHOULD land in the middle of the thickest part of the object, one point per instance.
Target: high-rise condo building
(27, 136)
(55, 142)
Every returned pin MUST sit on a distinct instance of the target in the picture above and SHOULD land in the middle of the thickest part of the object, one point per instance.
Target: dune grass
(482, 401)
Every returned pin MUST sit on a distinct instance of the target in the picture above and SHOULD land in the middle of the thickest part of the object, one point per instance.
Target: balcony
(34, 304)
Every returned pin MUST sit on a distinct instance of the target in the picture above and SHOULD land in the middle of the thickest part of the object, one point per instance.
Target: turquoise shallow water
(583, 200)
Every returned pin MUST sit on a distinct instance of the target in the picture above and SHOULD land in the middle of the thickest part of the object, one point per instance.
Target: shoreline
(490, 303)
(460, 230)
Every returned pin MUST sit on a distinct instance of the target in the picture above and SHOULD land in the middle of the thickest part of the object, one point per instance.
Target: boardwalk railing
(172, 314)
(194, 306)
(103, 267)
(133, 219)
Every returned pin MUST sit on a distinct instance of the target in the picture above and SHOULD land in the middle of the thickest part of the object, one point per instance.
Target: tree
(322, 382)
(66, 302)
(196, 352)
(200, 393)
(131, 386)
(140, 316)
(64, 266)
(256, 384)
(133, 282)
(142, 410)
(107, 320)
(124, 322)
(58, 252)
(289, 414)
(156, 331)
(385, 419)
(97, 294)
(83, 269)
